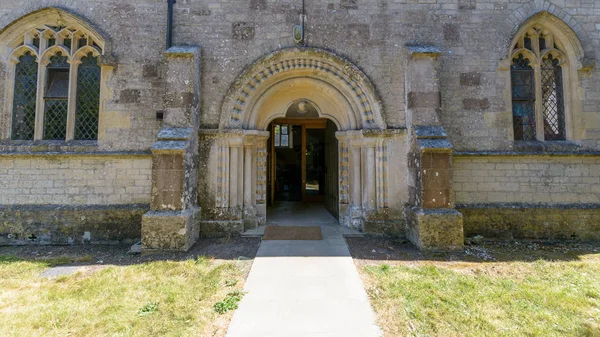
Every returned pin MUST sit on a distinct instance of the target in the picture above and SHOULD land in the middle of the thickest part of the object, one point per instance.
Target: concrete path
(304, 288)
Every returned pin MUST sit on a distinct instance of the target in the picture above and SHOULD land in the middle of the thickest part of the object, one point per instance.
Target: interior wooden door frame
(272, 163)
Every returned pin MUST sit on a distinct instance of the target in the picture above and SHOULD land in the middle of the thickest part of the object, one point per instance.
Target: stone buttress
(172, 222)
(432, 220)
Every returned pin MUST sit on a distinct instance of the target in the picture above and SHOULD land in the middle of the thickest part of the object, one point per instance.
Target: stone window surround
(536, 58)
(571, 55)
(24, 43)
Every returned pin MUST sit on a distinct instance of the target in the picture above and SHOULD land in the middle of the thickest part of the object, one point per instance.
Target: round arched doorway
(315, 96)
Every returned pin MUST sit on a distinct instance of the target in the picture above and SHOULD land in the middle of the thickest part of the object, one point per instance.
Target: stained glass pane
(88, 99)
(277, 136)
(24, 101)
(58, 83)
(55, 109)
(55, 119)
(524, 120)
(522, 84)
(552, 99)
(523, 99)
(527, 42)
(58, 61)
(542, 43)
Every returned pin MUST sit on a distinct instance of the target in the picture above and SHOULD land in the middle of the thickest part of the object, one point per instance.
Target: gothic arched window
(537, 87)
(88, 98)
(56, 93)
(24, 100)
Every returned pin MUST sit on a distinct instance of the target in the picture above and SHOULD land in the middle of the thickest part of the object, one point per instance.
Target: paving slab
(304, 288)
(60, 271)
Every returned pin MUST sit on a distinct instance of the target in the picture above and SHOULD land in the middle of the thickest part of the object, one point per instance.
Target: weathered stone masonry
(75, 198)
(420, 92)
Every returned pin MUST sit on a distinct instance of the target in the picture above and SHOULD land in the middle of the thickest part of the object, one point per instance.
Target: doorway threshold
(288, 213)
(326, 229)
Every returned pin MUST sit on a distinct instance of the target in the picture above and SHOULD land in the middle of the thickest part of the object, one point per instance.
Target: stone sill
(73, 207)
(44, 150)
(517, 205)
(61, 148)
(182, 51)
(525, 154)
(536, 148)
(47, 145)
(552, 146)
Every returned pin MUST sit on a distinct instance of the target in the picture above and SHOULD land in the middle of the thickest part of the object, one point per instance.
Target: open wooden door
(303, 144)
(271, 160)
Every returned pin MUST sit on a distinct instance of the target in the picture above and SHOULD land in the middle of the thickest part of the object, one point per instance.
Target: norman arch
(295, 72)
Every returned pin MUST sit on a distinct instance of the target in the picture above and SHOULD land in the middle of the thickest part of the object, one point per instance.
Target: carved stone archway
(235, 180)
(345, 81)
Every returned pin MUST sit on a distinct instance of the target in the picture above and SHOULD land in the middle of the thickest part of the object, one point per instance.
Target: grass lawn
(491, 290)
(152, 298)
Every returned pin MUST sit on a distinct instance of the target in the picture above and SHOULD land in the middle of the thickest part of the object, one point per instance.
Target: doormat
(292, 233)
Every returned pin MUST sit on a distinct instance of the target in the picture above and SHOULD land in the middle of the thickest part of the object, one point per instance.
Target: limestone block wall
(529, 197)
(85, 180)
(527, 179)
(73, 199)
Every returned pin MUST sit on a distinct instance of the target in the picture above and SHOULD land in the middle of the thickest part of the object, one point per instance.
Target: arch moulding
(342, 91)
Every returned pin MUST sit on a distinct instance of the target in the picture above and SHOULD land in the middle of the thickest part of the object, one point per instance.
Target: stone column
(355, 172)
(248, 176)
(260, 184)
(350, 179)
(432, 221)
(249, 215)
(370, 199)
(233, 181)
(385, 172)
(233, 178)
(172, 222)
(365, 182)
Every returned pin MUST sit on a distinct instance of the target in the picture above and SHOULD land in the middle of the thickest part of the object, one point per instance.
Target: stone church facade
(161, 121)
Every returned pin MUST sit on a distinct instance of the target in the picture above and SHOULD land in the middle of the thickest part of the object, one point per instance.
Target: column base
(250, 218)
(387, 221)
(221, 228)
(351, 216)
(435, 229)
(170, 230)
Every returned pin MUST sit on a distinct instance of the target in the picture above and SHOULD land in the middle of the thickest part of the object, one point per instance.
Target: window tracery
(57, 76)
(537, 86)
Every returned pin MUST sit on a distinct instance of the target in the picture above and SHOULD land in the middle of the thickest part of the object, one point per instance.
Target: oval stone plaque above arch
(341, 90)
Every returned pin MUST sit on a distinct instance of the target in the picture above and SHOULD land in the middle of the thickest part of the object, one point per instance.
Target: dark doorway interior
(288, 166)
(303, 162)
